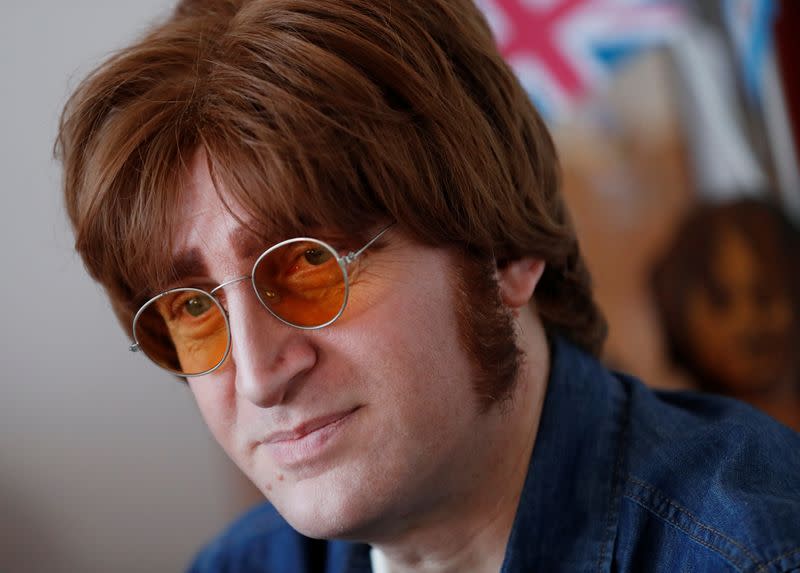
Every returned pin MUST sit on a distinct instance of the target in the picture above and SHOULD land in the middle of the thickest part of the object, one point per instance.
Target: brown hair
(329, 113)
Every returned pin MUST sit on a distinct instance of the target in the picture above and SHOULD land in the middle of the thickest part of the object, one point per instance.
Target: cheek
(217, 404)
(419, 374)
(412, 336)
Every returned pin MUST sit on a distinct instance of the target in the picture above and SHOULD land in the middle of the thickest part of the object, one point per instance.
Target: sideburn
(486, 330)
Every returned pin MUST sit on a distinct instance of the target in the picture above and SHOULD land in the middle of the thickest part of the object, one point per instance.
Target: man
(339, 221)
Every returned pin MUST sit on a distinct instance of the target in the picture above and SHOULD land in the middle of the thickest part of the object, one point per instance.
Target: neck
(469, 530)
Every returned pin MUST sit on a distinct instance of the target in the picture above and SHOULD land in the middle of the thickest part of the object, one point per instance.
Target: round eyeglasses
(302, 282)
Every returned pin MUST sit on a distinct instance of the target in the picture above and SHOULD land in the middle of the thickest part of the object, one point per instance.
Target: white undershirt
(378, 561)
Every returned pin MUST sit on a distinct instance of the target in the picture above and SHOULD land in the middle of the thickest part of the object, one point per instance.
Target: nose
(268, 355)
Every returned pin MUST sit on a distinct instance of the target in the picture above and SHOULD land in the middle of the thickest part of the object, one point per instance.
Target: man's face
(354, 427)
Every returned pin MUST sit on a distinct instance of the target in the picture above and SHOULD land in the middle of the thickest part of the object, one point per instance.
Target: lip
(308, 440)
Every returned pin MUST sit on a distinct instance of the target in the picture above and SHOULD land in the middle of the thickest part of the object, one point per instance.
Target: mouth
(309, 440)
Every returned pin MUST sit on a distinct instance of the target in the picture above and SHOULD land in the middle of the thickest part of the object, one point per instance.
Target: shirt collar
(567, 515)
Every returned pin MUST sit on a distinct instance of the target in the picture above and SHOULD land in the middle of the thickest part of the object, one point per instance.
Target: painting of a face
(740, 323)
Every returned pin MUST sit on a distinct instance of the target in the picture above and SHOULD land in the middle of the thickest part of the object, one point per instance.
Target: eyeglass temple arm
(353, 255)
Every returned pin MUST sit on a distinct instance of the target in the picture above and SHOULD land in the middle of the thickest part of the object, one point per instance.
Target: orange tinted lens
(184, 331)
(302, 283)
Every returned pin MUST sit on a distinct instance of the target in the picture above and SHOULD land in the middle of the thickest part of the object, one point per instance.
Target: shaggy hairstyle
(332, 114)
(687, 263)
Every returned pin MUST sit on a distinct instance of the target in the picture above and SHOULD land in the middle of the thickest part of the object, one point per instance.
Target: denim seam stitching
(729, 558)
(795, 551)
(694, 518)
(616, 493)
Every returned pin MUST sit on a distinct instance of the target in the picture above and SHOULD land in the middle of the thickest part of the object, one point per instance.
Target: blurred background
(677, 125)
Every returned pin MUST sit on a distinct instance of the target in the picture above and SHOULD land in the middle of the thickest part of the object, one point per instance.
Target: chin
(323, 525)
(327, 512)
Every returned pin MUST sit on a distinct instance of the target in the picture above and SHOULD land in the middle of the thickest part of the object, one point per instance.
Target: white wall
(104, 463)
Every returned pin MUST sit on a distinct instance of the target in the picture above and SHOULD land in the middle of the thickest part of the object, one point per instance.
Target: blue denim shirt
(621, 479)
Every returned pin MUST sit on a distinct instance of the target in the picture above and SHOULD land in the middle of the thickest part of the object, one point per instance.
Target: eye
(197, 305)
(317, 256)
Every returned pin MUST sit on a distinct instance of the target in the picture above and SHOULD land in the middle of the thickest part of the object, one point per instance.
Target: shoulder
(712, 480)
(259, 540)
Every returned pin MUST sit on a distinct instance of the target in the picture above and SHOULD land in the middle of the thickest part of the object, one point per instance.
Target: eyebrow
(188, 263)
(246, 244)
(191, 263)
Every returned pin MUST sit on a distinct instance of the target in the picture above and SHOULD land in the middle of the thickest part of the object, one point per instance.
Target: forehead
(741, 260)
(213, 235)
(209, 231)
(736, 259)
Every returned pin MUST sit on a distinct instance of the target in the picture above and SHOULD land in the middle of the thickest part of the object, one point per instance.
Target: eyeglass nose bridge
(214, 290)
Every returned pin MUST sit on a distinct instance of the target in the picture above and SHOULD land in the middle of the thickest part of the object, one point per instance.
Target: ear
(517, 281)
